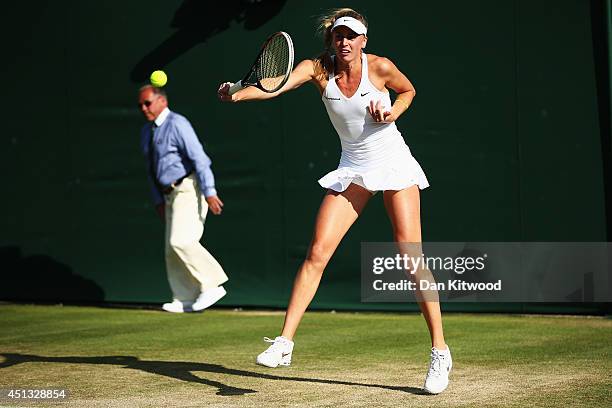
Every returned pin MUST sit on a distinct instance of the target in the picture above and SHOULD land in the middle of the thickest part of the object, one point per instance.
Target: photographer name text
(449, 285)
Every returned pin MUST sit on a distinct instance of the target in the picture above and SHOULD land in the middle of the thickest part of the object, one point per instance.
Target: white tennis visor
(352, 23)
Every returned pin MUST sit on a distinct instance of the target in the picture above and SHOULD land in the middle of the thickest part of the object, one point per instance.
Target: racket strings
(274, 64)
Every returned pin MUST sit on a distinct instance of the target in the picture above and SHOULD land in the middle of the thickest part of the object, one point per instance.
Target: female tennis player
(354, 89)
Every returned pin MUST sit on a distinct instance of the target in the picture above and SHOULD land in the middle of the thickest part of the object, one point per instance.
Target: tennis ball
(158, 78)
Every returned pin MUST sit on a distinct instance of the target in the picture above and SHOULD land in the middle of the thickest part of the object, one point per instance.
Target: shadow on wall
(42, 278)
(196, 21)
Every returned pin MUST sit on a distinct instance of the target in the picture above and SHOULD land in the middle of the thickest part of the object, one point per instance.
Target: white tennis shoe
(439, 368)
(208, 298)
(279, 353)
(176, 306)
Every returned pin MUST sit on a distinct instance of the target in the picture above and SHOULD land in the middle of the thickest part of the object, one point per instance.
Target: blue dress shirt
(176, 153)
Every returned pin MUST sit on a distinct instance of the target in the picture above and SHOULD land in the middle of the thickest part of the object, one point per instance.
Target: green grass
(145, 358)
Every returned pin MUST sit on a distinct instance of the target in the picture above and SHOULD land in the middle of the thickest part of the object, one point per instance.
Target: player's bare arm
(386, 74)
(302, 73)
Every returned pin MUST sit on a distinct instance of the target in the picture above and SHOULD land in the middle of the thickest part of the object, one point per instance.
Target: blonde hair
(323, 63)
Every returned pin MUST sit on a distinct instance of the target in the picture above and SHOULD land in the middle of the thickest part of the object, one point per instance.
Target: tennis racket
(272, 67)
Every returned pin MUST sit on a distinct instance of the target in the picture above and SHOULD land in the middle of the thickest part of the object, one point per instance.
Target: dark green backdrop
(509, 124)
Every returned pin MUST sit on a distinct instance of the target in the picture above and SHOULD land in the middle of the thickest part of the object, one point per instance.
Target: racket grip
(235, 88)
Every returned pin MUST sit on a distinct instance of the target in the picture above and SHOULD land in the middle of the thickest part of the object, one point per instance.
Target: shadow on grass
(182, 370)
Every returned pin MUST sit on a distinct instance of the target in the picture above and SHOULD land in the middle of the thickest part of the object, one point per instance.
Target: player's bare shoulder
(380, 66)
(306, 65)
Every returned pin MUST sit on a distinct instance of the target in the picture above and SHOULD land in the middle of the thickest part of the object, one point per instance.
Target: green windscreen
(505, 124)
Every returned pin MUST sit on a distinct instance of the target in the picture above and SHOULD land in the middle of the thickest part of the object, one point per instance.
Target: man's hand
(161, 211)
(215, 204)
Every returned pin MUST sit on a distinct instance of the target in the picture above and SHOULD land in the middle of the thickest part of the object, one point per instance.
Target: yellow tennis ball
(158, 78)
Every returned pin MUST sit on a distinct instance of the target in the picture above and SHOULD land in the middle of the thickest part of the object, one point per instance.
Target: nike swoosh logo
(332, 99)
(364, 94)
(285, 354)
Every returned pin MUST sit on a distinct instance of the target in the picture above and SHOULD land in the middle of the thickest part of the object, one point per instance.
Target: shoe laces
(435, 366)
(277, 345)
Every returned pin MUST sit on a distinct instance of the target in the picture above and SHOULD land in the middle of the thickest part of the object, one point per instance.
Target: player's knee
(318, 255)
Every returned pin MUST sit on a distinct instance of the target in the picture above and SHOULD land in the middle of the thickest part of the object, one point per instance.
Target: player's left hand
(379, 114)
(215, 204)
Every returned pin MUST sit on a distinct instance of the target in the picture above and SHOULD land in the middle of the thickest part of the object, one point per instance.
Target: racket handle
(235, 88)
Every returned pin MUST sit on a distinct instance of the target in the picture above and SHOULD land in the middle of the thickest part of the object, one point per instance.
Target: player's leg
(337, 213)
(403, 208)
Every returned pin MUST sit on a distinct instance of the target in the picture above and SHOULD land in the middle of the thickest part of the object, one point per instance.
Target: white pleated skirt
(397, 171)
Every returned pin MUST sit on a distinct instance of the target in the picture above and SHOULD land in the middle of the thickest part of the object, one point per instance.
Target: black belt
(175, 184)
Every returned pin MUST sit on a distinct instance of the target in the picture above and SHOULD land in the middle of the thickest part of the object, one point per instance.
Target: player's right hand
(223, 92)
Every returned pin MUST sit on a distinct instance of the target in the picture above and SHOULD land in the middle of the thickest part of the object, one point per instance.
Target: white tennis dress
(374, 154)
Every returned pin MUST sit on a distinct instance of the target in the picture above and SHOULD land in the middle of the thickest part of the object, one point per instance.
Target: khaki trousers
(190, 267)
